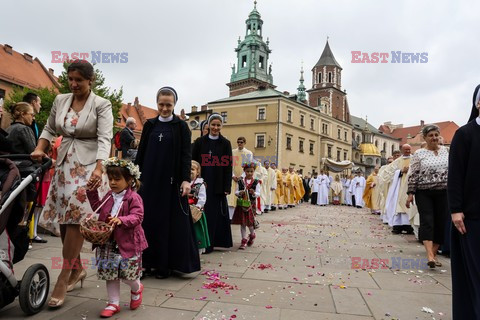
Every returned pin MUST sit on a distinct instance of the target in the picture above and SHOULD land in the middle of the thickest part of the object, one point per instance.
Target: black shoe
(37, 239)
(396, 231)
(208, 250)
(274, 208)
(163, 274)
(265, 211)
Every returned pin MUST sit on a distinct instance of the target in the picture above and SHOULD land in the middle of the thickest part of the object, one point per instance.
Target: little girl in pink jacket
(121, 256)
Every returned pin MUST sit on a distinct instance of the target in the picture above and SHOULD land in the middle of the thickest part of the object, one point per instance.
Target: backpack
(116, 139)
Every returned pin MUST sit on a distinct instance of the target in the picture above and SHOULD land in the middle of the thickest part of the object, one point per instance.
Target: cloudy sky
(189, 44)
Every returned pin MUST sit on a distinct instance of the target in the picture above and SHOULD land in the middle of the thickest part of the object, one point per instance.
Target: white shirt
(117, 202)
(162, 119)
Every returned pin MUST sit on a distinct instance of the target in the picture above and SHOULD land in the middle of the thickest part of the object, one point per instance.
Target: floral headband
(247, 165)
(133, 169)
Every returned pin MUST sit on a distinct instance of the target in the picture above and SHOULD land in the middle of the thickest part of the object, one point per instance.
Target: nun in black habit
(164, 158)
(214, 153)
(463, 189)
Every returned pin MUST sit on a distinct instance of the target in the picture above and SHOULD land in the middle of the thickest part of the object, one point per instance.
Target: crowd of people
(170, 200)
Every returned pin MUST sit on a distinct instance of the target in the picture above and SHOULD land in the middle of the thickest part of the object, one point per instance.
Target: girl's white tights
(113, 290)
(243, 231)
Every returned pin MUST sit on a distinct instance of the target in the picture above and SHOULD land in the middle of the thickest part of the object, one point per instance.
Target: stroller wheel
(34, 289)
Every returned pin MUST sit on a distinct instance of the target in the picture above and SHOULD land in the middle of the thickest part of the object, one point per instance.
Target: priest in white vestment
(360, 184)
(396, 211)
(323, 188)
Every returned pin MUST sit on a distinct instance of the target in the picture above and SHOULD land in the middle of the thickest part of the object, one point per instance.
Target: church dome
(369, 149)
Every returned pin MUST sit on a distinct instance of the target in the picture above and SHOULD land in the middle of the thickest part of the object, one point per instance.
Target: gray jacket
(21, 138)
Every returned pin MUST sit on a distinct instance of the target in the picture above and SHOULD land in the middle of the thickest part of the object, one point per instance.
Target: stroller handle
(46, 161)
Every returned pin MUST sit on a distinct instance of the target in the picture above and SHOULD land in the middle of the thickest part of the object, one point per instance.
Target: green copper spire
(301, 94)
(253, 52)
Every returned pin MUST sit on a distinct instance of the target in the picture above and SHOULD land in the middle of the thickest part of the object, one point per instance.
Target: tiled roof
(139, 112)
(447, 130)
(24, 70)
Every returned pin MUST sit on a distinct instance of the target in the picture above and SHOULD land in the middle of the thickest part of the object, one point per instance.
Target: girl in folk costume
(244, 215)
(198, 197)
(121, 256)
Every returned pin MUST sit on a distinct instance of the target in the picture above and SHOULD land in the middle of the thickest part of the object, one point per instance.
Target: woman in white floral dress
(85, 121)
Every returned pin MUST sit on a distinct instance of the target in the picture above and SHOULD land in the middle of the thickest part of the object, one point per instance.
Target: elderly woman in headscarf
(164, 158)
(463, 192)
(214, 153)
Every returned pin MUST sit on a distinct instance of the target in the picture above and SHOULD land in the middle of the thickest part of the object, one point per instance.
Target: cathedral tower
(251, 71)
(326, 93)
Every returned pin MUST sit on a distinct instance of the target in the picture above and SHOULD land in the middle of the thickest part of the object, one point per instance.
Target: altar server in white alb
(396, 211)
(357, 187)
(323, 188)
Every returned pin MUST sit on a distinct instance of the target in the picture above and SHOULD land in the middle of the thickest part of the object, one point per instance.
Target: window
(329, 77)
(339, 134)
(300, 146)
(289, 143)
(119, 119)
(393, 149)
(376, 143)
(344, 155)
(197, 118)
(384, 147)
(224, 116)
(289, 115)
(338, 155)
(261, 62)
(346, 136)
(319, 77)
(2, 94)
(312, 124)
(261, 114)
(302, 120)
(244, 61)
(260, 141)
(319, 102)
(358, 139)
(325, 128)
(311, 147)
(329, 152)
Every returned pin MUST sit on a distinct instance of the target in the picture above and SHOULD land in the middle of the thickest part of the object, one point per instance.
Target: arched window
(329, 77)
(384, 147)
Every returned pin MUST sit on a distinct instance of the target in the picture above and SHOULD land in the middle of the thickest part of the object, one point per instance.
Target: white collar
(214, 137)
(119, 195)
(478, 120)
(168, 119)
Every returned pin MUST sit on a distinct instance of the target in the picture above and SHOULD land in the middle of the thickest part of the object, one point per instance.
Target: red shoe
(107, 313)
(251, 239)
(134, 304)
(243, 245)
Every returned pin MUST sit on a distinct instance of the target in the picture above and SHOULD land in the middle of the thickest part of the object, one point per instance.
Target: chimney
(194, 108)
(8, 48)
(422, 123)
(50, 70)
(204, 108)
(28, 57)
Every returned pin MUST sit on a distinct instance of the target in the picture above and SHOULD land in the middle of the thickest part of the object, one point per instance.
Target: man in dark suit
(127, 140)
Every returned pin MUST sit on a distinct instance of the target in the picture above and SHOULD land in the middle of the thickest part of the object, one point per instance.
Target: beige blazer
(93, 133)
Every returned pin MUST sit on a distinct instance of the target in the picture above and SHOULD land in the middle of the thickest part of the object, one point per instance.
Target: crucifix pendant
(160, 137)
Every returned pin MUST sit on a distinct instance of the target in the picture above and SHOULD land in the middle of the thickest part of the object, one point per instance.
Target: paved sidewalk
(300, 267)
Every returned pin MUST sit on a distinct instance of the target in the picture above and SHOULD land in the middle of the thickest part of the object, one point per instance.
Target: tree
(47, 95)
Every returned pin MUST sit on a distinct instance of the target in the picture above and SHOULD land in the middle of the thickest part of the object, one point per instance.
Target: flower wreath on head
(133, 169)
(249, 164)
